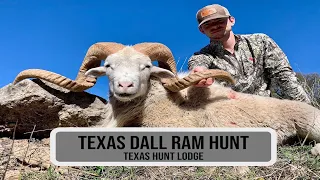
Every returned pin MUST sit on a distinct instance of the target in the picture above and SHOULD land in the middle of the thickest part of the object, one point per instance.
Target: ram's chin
(124, 97)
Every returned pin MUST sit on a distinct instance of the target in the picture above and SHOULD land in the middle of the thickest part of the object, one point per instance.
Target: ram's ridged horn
(176, 84)
(159, 52)
(94, 55)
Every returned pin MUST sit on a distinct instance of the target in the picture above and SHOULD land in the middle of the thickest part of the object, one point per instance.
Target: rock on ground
(43, 105)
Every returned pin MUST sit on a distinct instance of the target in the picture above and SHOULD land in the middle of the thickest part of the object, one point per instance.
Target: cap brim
(211, 18)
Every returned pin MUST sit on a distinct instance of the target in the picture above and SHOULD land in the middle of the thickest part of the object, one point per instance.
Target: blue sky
(55, 35)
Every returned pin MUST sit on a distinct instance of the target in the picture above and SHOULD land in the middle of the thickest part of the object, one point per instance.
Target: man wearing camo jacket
(254, 60)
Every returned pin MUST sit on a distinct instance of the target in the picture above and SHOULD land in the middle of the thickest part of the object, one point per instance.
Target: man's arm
(200, 61)
(279, 69)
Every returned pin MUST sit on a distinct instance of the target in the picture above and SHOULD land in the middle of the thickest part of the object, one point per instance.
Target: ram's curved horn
(94, 55)
(176, 84)
(159, 52)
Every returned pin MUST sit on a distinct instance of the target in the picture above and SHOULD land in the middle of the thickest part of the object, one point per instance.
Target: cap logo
(207, 12)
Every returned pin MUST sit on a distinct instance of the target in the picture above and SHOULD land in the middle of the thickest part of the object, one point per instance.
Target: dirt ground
(31, 160)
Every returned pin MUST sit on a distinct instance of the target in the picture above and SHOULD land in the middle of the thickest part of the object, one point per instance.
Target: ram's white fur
(145, 102)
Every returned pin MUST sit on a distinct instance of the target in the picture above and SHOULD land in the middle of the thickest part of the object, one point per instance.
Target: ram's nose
(125, 85)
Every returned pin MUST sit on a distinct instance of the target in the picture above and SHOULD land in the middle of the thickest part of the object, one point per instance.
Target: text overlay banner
(204, 145)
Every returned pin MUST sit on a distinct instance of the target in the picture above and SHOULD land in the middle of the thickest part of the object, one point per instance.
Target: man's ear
(161, 73)
(232, 20)
(96, 72)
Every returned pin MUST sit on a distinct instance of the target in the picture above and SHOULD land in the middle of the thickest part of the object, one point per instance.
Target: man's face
(217, 29)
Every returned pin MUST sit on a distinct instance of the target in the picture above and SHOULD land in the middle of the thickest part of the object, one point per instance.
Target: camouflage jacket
(256, 65)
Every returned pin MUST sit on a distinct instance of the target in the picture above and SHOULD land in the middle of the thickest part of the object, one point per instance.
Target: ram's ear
(161, 73)
(96, 72)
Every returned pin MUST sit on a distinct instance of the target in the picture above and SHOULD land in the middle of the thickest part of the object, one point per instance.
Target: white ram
(145, 95)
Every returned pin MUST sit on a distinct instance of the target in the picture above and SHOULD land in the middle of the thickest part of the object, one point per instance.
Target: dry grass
(294, 162)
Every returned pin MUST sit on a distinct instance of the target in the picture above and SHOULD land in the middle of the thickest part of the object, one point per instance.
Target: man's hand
(204, 82)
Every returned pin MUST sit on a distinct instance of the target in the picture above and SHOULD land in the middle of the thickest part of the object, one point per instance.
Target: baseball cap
(210, 12)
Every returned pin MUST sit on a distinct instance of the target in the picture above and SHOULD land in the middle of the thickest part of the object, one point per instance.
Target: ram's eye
(107, 66)
(143, 67)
